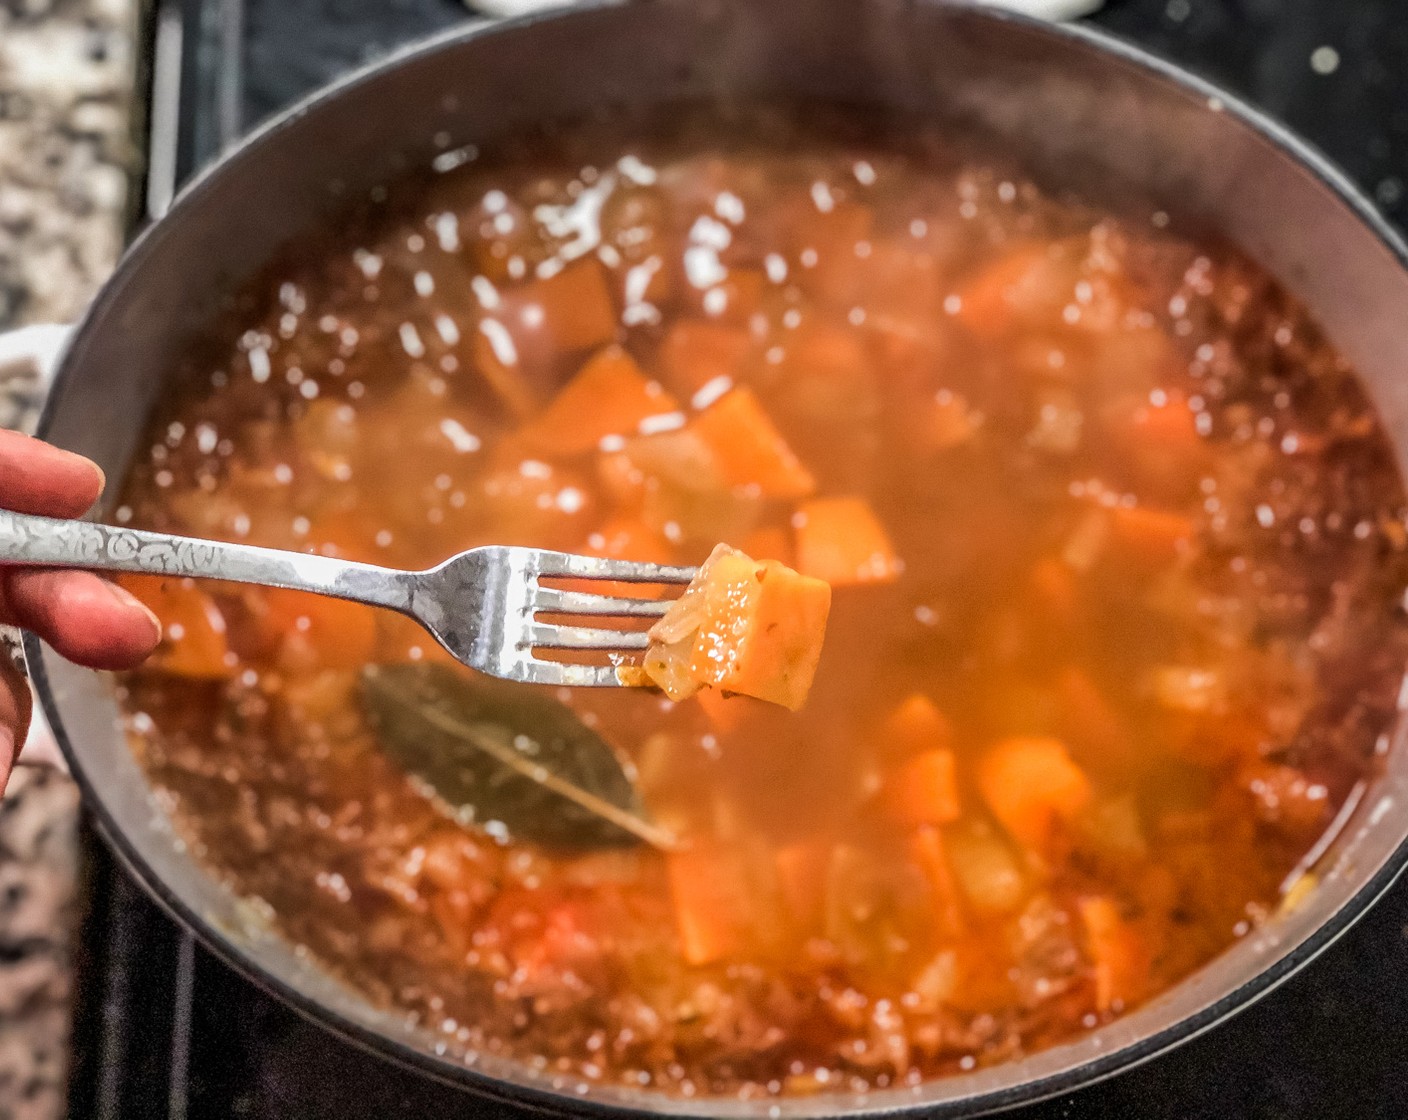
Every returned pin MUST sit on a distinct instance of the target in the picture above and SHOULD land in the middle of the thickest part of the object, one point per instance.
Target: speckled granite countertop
(66, 73)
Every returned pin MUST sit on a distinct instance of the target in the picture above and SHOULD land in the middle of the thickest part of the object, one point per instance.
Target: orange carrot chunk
(748, 450)
(711, 904)
(609, 396)
(1118, 955)
(741, 626)
(924, 790)
(1031, 785)
(841, 541)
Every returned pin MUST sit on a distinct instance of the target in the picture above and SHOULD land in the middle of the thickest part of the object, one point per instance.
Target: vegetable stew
(1114, 539)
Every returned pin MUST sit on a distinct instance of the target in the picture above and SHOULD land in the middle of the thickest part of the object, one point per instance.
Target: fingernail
(127, 599)
(102, 478)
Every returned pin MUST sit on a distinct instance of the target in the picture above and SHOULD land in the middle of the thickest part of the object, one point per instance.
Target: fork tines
(569, 565)
(554, 600)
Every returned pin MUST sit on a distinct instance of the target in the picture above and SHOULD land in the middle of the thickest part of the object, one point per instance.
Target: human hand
(86, 619)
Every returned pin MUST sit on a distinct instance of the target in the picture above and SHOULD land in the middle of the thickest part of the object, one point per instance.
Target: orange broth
(1117, 552)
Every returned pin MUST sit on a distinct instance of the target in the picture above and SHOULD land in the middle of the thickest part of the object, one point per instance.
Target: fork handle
(53, 543)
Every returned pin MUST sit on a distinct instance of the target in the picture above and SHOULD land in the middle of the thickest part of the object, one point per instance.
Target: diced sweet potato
(1031, 785)
(741, 626)
(695, 353)
(525, 501)
(194, 635)
(748, 450)
(924, 790)
(572, 308)
(621, 480)
(1161, 449)
(943, 421)
(725, 902)
(609, 396)
(715, 471)
(841, 541)
(683, 492)
(913, 726)
(681, 459)
(770, 543)
(1118, 955)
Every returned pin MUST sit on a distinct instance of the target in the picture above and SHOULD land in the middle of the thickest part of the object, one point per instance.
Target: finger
(14, 715)
(36, 477)
(86, 619)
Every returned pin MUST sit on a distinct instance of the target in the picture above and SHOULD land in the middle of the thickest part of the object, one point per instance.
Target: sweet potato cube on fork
(746, 626)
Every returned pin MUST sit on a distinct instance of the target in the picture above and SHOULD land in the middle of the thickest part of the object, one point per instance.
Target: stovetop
(164, 1030)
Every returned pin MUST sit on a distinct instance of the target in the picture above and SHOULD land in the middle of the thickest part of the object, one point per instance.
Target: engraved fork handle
(53, 543)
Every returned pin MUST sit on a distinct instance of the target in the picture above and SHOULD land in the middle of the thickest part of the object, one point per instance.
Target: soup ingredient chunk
(609, 397)
(743, 625)
(841, 541)
(1032, 787)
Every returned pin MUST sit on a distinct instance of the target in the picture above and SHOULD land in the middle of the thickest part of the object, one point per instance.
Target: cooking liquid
(1141, 505)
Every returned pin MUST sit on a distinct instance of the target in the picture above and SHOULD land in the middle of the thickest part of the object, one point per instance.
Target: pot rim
(532, 1091)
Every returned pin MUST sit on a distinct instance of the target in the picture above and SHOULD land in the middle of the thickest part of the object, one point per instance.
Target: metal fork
(482, 605)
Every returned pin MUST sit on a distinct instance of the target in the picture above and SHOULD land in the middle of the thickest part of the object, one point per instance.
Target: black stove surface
(165, 1030)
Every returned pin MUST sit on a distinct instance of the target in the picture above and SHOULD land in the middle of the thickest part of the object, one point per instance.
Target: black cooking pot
(1080, 110)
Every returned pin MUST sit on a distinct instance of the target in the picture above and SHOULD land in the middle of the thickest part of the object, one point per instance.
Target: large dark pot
(1082, 110)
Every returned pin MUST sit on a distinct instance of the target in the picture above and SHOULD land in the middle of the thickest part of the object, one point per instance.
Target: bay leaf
(507, 757)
